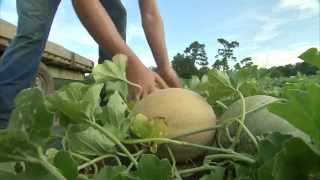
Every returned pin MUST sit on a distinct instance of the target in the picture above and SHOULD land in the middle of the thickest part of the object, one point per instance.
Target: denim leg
(19, 63)
(118, 14)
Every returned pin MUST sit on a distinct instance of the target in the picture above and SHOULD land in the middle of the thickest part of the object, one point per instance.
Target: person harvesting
(105, 20)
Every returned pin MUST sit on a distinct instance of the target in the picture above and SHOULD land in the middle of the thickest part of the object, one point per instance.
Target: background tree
(225, 54)
(244, 63)
(196, 52)
(184, 66)
(194, 55)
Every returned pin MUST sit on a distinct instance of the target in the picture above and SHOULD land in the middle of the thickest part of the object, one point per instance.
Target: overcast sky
(273, 32)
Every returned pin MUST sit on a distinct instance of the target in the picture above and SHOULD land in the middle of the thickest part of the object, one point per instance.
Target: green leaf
(311, 56)
(252, 103)
(7, 167)
(77, 101)
(32, 116)
(144, 127)
(120, 86)
(89, 142)
(296, 160)
(150, 167)
(263, 122)
(15, 146)
(218, 174)
(284, 157)
(218, 85)
(302, 110)
(114, 173)
(33, 171)
(6, 175)
(113, 116)
(67, 166)
(111, 71)
(271, 145)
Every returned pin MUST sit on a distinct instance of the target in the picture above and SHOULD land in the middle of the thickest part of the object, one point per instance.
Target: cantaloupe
(184, 111)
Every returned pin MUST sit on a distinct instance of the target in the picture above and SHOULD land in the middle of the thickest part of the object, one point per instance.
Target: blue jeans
(20, 61)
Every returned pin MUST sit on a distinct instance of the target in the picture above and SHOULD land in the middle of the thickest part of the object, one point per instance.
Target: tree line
(193, 61)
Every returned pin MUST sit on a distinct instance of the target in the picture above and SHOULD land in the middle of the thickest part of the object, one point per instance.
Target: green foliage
(311, 56)
(114, 173)
(302, 110)
(77, 101)
(113, 75)
(88, 142)
(185, 64)
(67, 166)
(150, 167)
(72, 135)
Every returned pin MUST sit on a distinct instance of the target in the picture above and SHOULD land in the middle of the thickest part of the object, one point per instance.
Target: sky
(272, 32)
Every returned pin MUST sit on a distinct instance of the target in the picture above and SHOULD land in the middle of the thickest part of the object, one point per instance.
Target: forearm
(100, 26)
(154, 31)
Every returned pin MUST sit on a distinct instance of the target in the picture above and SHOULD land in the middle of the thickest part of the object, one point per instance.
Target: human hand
(170, 77)
(142, 76)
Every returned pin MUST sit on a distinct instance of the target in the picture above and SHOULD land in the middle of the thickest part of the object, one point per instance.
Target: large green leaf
(7, 167)
(113, 116)
(77, 101)
(218, 85)
(111, 70)
(15, 146)
(66, 165)
(302, 110)
(296, 160)
(31, 116)
(283, 157)
(113, 75)
(252, 103)
(114, 173)
(33, 172)
(150, 167)
(311, 56)
(88, 142)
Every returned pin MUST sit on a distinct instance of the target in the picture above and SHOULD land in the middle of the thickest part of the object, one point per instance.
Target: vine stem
(243, 117)
(134, 85)
(197, 169)
(99, 159)
(197, 131)
(44, 162)
(136, 154)
(229, 156)
(174, 168)
(254, 140)
(80, 157)
(115, 140)
(139, 154)
(166, 140)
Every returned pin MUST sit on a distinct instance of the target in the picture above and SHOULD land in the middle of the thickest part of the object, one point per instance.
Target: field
(267, 129)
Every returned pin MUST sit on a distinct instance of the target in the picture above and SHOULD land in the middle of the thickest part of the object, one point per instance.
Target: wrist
(163, 69)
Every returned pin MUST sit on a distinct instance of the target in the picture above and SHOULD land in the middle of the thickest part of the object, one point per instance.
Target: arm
(154, 31)
(99, 24)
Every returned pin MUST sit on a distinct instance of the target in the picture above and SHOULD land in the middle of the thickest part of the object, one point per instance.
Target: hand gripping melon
(184, 111)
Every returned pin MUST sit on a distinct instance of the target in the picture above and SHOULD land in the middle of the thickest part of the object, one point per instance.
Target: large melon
(184, 111)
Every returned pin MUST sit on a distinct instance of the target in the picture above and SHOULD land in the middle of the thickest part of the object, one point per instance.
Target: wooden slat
(54, 54)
